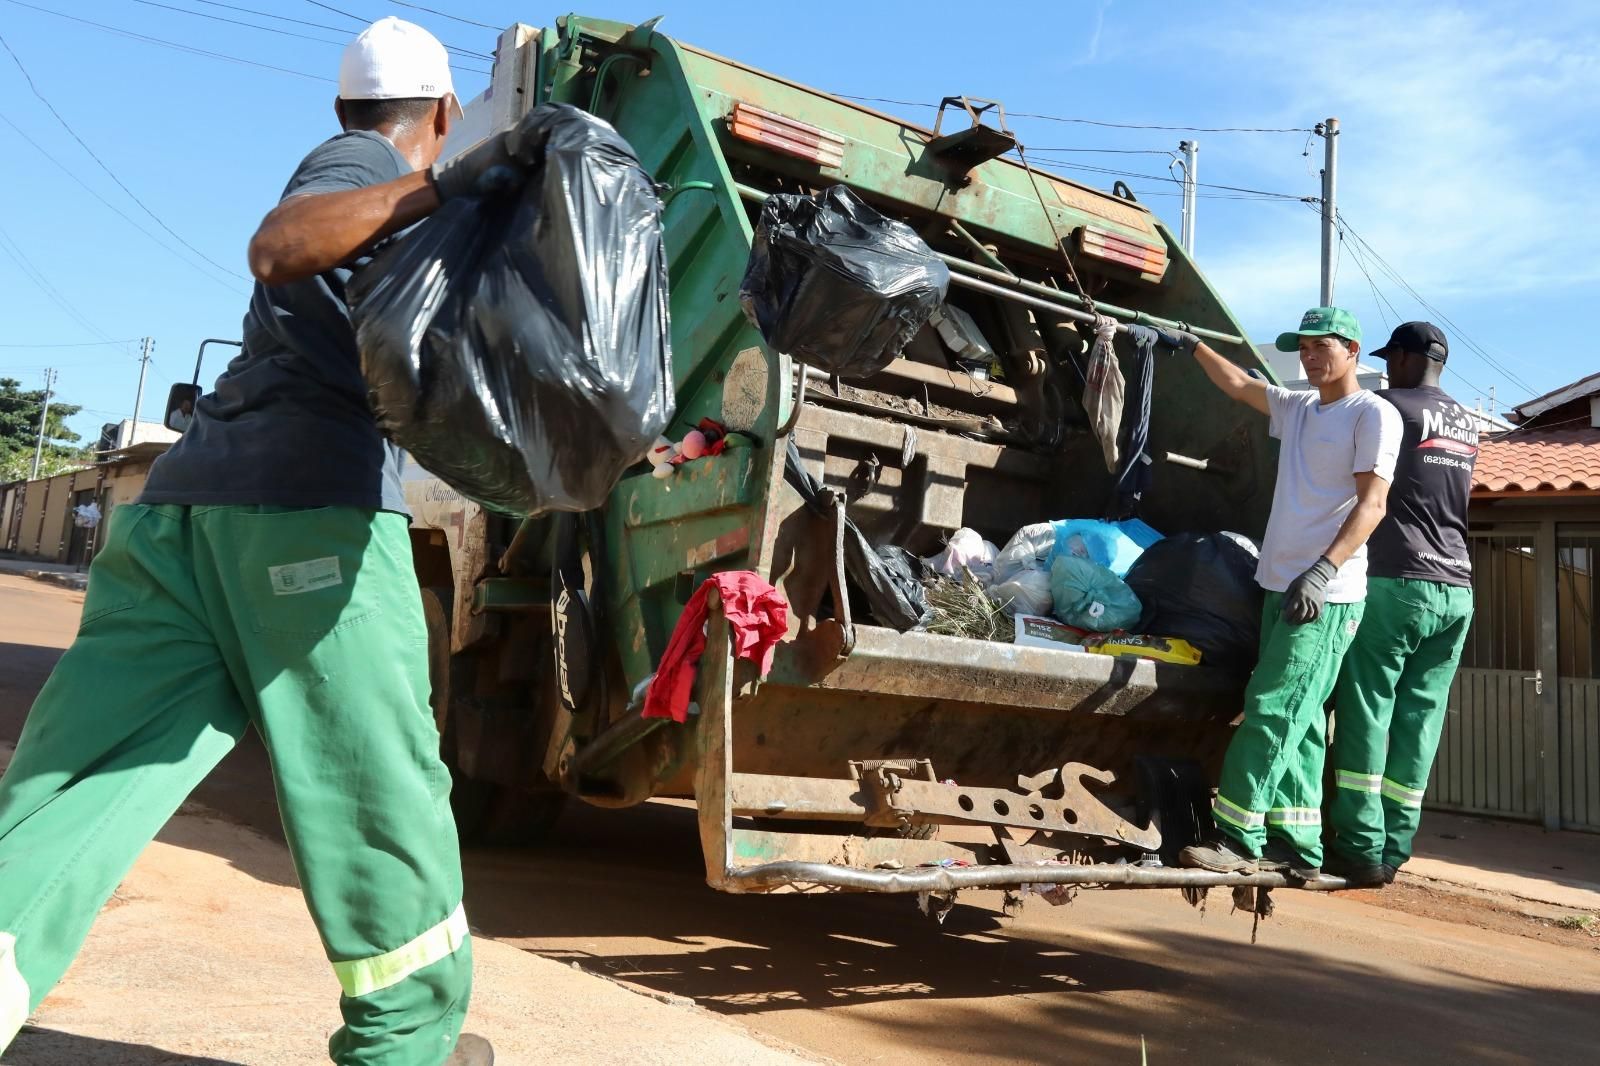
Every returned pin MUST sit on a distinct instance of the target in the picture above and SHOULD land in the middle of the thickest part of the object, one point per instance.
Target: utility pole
(44, 412)
(145, 348)
(1329, 130)
(1191, 151)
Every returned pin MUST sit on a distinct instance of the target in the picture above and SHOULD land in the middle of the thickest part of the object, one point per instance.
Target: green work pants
(199, 621)
(1272, 774)
(1389, 710)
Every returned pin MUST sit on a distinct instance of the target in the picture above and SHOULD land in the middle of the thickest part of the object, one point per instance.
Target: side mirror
(181, 399)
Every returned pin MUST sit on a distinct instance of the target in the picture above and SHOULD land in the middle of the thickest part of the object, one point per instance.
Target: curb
(70, 581)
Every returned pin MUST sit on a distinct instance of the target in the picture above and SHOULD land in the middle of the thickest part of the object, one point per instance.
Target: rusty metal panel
(1580, 753)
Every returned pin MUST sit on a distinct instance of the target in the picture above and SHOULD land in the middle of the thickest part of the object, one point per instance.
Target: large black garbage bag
(889, 576)
(1201, 587)
(836, 285)
(517, 346)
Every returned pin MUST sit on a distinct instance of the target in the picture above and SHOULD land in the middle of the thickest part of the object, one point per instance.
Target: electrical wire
(119, 212)
(465, 52)
(41, 281)
(446, 14)
(103, 165)
(73, 344)
(1461, 334)
(1089, 121)
(272, 29)
(162, 42)
(1265, 193)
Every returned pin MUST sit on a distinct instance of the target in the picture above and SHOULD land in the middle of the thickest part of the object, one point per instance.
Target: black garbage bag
(889, 577)
(517, 346)
(836, 285)
(1201, 587)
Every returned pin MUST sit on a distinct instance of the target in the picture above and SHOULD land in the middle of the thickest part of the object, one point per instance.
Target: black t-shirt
(288, 422)
(1424, 534)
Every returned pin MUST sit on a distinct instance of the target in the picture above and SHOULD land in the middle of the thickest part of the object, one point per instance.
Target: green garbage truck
(867, 759)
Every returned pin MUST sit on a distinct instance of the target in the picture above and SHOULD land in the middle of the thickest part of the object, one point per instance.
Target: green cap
(1319, 322)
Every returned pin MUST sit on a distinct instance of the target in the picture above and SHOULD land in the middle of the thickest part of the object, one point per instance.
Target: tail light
(1115, 248)
(786, 136)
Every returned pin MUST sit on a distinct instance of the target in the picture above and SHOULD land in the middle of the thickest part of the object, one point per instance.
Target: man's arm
(1372, 502)
(308, 234)
(1304, 598)
(1232, 380)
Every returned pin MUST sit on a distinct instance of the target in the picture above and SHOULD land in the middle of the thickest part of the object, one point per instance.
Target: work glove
(1302, 601)
(487, 167)
(1179, 340)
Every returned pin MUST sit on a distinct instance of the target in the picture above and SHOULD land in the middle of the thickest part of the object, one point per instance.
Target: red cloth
(758, 616)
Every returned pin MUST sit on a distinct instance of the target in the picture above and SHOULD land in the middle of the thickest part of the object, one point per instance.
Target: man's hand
(1180, 341)
(1303, 600)
(487, 167)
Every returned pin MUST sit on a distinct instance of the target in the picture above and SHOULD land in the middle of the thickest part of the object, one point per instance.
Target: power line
(465, 52)
(274, 29)
(446, 14)
(1087, 121)
(118, 211)
(112, 174)
(1461, 334)
(1164, 178)
(119, 31)
(41, 281)
(72, 344)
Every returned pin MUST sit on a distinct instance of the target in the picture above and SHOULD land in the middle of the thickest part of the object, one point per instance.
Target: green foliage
(19, 429)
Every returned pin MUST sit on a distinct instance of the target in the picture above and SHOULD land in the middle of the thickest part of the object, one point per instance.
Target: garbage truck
(867, 759)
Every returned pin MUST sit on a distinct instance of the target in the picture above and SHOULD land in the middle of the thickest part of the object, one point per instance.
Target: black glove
(1302, 601)
(1179, 340)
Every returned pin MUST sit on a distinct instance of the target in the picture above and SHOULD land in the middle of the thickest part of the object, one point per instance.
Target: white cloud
(1467, 157)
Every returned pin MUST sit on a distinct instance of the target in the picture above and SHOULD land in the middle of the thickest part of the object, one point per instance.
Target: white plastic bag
(966, 549)
(1027, 592)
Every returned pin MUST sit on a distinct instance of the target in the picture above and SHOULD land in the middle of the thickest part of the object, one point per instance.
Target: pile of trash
(1111, 588)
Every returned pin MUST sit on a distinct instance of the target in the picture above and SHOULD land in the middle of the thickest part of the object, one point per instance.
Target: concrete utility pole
(1329, 130)
(1191, 151)
(44, 412)
(147, 346)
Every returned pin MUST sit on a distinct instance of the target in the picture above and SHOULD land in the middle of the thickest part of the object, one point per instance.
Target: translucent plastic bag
(518, 346)
(837, 285)
(1087, 595)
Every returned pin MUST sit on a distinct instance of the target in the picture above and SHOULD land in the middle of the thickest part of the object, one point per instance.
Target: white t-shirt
(1324, 447)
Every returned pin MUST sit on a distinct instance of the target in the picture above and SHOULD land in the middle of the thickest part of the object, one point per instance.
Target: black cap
(1424, 338)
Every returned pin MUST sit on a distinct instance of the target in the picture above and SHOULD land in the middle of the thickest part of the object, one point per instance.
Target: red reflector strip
(786, 136)
(1145, 258)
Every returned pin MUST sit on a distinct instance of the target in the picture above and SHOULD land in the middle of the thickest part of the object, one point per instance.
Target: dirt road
(867, 979)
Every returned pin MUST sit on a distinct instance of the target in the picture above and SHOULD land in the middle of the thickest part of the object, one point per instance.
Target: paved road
(867, 979)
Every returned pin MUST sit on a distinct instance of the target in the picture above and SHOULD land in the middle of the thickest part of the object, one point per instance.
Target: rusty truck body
(868, 759)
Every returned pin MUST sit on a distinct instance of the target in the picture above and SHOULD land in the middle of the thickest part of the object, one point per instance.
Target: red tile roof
(1535, 460)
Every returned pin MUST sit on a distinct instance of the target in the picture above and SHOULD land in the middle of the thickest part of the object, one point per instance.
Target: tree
(19, 433)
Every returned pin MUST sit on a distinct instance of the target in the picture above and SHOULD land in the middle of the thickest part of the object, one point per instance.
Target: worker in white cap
(265, 578)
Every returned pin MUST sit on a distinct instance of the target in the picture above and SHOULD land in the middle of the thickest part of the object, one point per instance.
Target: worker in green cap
(1337, 457)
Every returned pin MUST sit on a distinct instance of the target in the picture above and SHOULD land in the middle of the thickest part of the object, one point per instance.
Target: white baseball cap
(394, 59)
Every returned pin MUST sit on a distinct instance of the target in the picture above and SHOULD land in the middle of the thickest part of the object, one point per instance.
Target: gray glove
(487, 167)
(1179, 340)
(1302, 601)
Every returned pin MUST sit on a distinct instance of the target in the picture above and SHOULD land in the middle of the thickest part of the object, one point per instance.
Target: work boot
(1278, 857)
(1218, 856)
(471, 1050)
(1358, 873)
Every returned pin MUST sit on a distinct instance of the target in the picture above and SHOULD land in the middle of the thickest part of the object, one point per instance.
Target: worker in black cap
(1395, 681)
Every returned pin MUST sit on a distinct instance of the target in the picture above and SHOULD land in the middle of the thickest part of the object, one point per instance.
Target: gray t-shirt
(288, 422)
(1324, 447)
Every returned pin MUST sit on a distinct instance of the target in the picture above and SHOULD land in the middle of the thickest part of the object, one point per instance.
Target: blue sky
(1466, 162)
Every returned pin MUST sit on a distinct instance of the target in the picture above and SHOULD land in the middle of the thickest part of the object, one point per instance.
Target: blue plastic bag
(1114, 545)
(1087, 595)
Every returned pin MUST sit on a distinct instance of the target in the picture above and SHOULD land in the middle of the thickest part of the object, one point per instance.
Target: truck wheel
(486, 812)
(489, 814)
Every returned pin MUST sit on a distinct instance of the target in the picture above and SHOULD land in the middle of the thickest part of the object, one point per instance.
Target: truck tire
(487, 813)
